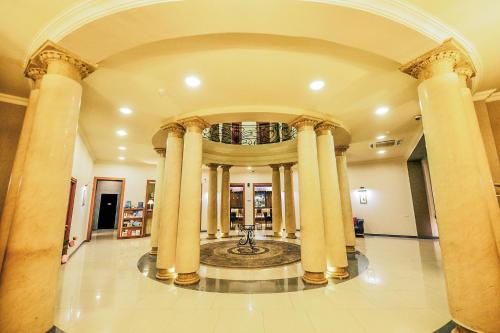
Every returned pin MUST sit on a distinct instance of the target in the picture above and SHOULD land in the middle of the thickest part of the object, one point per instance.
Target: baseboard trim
(77, 248)
(398, 236)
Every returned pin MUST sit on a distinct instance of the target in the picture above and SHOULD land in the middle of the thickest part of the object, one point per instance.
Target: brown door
(69, 215)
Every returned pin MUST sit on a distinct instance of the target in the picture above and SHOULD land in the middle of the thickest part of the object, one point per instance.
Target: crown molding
(494, 97)
(11, 99)
(483, 95)
(394, 10)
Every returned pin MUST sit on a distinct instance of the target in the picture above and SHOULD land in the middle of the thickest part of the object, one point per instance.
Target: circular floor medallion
(267, 253)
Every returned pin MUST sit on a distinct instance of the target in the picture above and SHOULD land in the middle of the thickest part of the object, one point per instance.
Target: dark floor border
(398, 236)
(54, 329)
(358, 263)
(447, 328)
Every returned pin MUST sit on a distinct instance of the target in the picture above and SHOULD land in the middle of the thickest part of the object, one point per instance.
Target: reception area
(264, 166)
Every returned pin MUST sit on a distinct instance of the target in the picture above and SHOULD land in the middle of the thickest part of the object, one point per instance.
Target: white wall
(389, 209)
(135, 176)
(82, 171)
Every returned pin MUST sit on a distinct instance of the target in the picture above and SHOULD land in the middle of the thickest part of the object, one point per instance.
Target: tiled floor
(402, 290)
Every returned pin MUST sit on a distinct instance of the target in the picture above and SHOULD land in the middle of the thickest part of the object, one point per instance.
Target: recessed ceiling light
(192, 81)
(381, 137)
(381, 152)
(121, 132)
(249, 168)
(126, 110)
(382, 110)
(122, 148)
(121, 158)
(317, 85)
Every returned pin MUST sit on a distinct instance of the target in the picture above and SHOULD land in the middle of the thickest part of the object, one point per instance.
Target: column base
(338, 273)
(314, 278)
(277, 234)
(350, 249)
(291, 236)
(225, 235)
(184, 279)
(211, 236)
(461, 329)
(154, 251)
(165, 274)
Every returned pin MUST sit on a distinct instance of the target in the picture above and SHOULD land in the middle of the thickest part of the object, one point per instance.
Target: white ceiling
(258, 53)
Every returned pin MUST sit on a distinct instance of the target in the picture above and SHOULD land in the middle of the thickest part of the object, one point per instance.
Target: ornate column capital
(50, 52)
(440, 60)
(225, 167)
(212, 166)
(194, 123)
(161, 151)
(173, 129)
(325, 128)
(303, 121)
(340, 150)
(275, 166)
(35, 74)
(287, 166)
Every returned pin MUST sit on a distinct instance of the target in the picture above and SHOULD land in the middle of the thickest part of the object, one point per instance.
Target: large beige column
(290, 223)
(345, 198)
(336, 257)
(29, 276)
(212, 202)
(276, 200)
(224, 201)
(311, 213)
(188, 232)
(155, 227)
(171, 187)
(470, 258)
(16, 176)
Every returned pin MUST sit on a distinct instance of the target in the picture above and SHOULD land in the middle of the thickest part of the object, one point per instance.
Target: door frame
(69, 212)
(243, 185)
(253, 197)
(92, 203)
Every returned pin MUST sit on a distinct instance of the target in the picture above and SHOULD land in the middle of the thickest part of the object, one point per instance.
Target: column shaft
(224, 201)
(345, 199)
(311, 214)
(276, 201)
(212, 202)
(488, 139)
(29, 277)
(167, 235)
(155, 227)
(188, 233)
(336, 257)
(16, 175)
(290, 223)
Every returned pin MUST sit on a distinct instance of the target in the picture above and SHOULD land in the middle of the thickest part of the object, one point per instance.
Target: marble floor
(102, 290)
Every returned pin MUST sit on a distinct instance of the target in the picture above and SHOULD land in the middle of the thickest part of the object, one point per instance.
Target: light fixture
(126, 110)
(121, 132)
(121, 158)
(122, 148)
(192, 81)
(381, 152)
(363, 198)
(249, 168)
(382, 110)
(317, 85)
(381, 137)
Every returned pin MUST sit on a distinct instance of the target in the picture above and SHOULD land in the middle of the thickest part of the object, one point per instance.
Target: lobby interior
(250, 166)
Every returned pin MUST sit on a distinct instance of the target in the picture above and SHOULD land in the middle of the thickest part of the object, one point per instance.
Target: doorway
(69, 215)
(107, 211)
(237, 205)
(263, 204)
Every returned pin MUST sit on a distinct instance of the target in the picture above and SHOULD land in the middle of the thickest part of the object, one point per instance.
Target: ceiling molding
(395, 10)
(494, 97)
(11, 99)
(482, 95)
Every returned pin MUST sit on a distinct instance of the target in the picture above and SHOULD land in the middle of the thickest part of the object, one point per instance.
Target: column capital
(35, 73)
(213, 166)
(303, 121)
(196, 123)
(50, 52)
(440, 60)
(173, 129)
(325, 128)
(288, 165)
(161, 151)
(226, 167)
(275, 166)
(340, 150)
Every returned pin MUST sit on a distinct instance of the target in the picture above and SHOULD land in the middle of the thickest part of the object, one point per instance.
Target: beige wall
(389, 209)
(494, 113)
(11, 122)
(82, 170)
(135, 176)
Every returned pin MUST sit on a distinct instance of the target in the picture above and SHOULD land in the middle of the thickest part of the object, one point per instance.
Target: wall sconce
(363, 195)
(150, 203)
